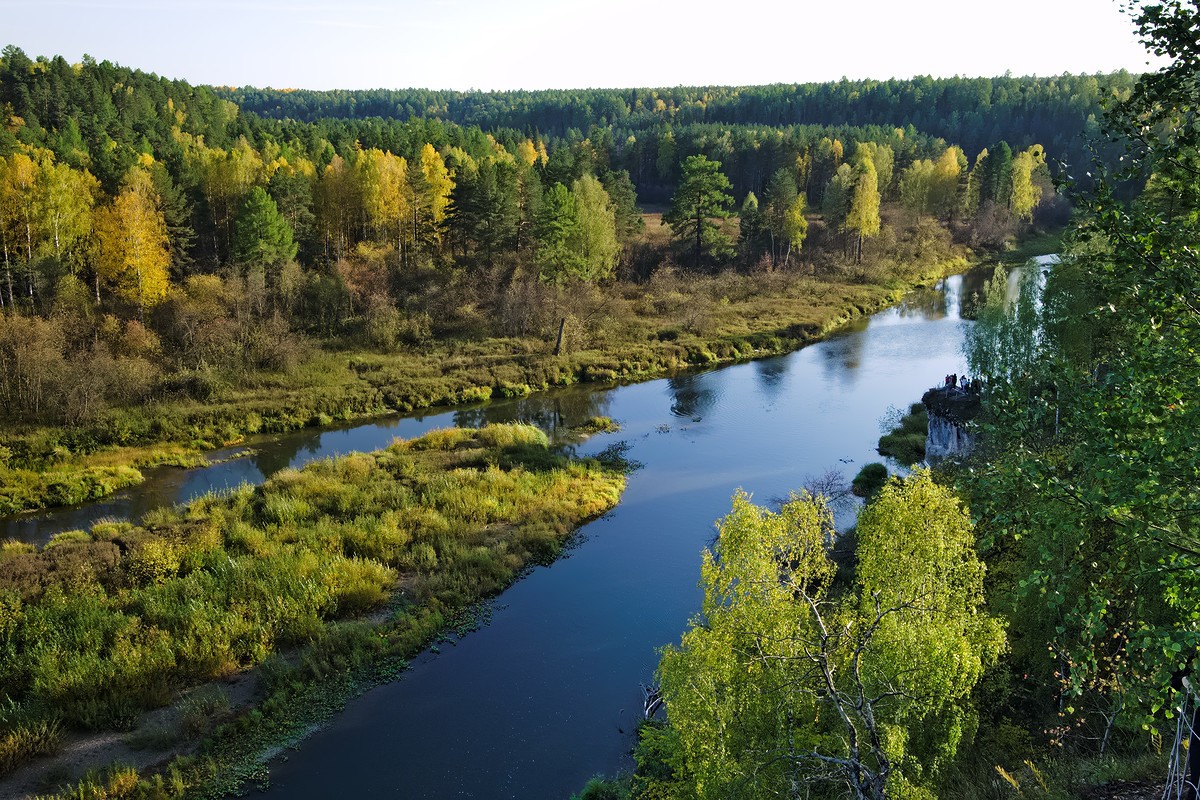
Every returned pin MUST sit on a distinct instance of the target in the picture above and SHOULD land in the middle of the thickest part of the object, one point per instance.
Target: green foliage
(700, 197)
(27, 739)
(261, 236)
(1089, 492)
(594, 425)
(781, 683)
(906, 441)
(97, 628)
(869, 480)
(600, 788)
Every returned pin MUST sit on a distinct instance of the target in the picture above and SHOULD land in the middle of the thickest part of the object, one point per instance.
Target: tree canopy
(786, 681)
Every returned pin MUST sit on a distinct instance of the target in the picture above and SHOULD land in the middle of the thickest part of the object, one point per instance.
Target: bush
(869, 480)
(906, 441)
(29, 739)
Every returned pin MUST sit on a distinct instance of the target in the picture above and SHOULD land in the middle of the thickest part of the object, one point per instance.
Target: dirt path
(1126, 790)
(162, 732)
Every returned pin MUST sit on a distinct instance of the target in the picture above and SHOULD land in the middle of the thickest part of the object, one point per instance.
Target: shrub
(29, 739)
(869, 480)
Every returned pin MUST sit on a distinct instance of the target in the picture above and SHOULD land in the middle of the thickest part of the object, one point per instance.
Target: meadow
(324, 579)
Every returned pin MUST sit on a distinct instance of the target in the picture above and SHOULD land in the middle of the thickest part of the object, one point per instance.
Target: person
(962, 383)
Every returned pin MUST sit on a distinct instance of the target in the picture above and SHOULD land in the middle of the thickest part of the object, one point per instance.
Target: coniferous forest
(186, 266)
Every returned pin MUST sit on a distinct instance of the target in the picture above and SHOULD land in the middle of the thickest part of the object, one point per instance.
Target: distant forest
(725, 121)
(180, 227)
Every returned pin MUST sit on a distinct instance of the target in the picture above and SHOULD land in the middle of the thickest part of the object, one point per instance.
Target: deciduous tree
(782, 682)
(132, 252)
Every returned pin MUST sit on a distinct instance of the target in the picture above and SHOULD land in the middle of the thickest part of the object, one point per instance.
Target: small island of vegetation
(324, 578)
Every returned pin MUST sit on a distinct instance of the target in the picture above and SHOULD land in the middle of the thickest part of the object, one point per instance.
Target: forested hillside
(185, 266)
(971, 112)
(178, 269)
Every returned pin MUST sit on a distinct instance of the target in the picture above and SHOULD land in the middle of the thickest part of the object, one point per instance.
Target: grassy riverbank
(626, 332)
(324, 578)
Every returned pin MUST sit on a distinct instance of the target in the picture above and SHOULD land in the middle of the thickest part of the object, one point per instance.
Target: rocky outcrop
(950, 413)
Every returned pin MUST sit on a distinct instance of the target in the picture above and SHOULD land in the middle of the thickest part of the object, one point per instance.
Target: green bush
(869, 480)
(906, 441)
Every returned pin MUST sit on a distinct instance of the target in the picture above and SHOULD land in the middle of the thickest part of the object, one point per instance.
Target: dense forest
(973, 112)
(160, 228)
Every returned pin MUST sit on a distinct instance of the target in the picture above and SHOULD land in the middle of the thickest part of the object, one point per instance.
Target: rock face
(950, 413)
(946, 439)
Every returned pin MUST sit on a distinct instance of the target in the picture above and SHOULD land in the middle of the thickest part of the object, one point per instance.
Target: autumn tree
(863, 216)
(226, 177)
(916, 187)
(943, 188)
(64, 201)
(338, 205)
(883, 157)
(702, 195)
(383, 182)
(131, 244)
(597, 243)
(18, 219)
(1026, 193)
(429, 184)
(795, 226)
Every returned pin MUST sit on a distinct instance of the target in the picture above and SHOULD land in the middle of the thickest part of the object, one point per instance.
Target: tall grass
(101, 625)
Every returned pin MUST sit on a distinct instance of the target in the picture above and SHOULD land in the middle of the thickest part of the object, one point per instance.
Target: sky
(542, 44)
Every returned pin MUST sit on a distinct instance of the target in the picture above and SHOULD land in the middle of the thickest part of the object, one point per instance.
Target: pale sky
(540, 44)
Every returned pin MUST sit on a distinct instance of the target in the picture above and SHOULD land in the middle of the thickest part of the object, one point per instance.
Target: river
(546, 695)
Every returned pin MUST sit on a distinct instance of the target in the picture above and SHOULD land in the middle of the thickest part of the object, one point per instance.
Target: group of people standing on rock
(962, 383)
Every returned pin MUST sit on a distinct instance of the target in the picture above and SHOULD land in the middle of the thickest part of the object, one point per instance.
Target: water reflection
(555, 412)
(770, 373)
(273, 457)
(692, 396)
(844, 352)
(928, 304)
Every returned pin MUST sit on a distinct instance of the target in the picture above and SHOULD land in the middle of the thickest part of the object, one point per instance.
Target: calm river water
(547, 694)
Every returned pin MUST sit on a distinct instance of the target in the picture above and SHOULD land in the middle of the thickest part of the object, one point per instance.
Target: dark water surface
(547, 694)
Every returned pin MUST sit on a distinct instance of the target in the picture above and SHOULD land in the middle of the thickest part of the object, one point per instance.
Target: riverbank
(323, 579)
(637, 332)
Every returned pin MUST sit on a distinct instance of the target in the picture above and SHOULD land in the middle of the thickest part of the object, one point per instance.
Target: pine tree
(701, 197)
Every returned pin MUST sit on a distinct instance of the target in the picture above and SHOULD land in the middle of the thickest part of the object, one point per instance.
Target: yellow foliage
(132, 251)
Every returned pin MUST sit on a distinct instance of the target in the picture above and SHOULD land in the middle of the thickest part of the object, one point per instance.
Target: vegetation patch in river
(100, 626)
